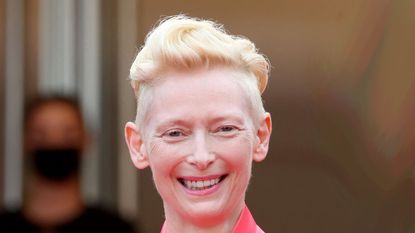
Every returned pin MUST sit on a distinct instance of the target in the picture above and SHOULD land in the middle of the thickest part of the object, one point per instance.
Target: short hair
(180, 43)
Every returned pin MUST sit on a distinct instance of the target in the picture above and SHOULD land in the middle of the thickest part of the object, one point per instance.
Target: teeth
(200, 184)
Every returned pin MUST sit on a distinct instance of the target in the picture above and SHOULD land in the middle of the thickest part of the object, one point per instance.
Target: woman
(200, 123)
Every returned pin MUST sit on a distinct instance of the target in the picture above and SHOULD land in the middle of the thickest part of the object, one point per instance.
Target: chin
(205, 218)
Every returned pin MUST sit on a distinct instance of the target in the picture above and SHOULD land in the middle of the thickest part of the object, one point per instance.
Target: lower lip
(203, 192)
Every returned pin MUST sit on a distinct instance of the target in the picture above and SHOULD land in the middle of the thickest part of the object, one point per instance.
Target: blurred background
(341, 93)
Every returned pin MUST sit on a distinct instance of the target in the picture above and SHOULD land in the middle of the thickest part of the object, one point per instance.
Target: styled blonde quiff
(181, 43)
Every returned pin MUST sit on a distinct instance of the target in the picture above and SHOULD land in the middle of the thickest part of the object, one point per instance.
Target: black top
(91, 220)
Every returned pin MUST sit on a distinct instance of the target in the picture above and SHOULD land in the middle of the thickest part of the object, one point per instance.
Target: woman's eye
(226, 128)
(174, 133)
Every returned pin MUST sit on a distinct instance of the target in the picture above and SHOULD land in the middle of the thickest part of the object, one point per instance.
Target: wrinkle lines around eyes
(244, 136)
(248, 137)
(158, 146)
(155, 145)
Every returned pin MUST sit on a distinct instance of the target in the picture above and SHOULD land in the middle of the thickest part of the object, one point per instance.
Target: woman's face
(199, 142)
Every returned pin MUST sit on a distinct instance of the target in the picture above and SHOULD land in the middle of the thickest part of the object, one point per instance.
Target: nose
(201, 157)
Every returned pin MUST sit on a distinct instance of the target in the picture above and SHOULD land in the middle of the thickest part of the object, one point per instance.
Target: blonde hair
(181, 43)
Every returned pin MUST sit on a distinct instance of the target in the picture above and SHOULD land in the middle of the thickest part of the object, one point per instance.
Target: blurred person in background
(55, 138)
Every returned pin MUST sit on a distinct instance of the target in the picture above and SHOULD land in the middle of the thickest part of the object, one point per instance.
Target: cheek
(163, 158)
(237, 152)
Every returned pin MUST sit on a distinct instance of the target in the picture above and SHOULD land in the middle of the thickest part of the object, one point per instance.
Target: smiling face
(199, 141)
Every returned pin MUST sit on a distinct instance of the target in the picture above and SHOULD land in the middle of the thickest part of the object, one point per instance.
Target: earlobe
(135, 145)
(263, 137)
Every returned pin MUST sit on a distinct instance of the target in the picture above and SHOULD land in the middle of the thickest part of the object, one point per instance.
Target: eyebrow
(172, 122)
(226, 117)
(187, 122)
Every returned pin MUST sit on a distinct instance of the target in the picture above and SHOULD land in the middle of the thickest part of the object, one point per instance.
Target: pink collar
(245, 224)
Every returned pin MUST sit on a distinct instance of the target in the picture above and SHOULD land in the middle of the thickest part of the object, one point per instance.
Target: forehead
(54, 113)
(200, 93)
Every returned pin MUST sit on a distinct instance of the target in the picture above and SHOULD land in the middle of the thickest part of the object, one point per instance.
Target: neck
(50, 203)
(176, 223)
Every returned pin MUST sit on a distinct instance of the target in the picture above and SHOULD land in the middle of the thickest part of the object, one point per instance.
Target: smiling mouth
(201, 184)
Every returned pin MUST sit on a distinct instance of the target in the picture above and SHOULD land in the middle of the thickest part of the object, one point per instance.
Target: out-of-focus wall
(31, 44)
(2, 74)
(13, 101)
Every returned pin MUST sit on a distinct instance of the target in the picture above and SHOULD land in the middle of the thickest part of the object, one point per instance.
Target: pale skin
(199, 140)
(49, 203)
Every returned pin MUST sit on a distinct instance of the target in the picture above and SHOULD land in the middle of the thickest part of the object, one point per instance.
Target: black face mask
(56, 164)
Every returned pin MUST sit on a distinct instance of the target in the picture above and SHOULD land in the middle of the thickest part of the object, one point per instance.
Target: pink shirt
(245, 224)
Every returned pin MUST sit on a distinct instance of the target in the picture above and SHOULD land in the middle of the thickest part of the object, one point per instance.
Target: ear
(263, 135)
(136, 146)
